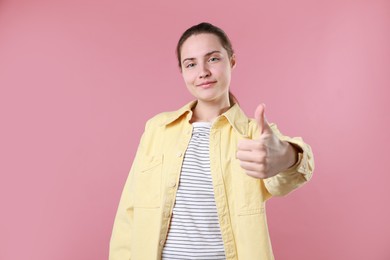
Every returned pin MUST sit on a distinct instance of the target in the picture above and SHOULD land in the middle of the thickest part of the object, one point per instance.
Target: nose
(204, 71)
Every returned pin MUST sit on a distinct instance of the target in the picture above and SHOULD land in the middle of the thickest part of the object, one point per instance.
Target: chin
(207, 99)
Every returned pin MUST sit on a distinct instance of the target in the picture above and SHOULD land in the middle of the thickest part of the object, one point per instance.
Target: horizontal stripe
(194, 231)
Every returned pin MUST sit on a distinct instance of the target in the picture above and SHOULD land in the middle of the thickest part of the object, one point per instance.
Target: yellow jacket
(143, 216)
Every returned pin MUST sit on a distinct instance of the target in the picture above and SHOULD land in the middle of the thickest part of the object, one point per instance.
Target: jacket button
(161, 242)
(167, 214)
(172, 184)
(179, 154)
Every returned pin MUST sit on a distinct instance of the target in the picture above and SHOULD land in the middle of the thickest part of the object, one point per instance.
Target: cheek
(223, 74)
(188, 78)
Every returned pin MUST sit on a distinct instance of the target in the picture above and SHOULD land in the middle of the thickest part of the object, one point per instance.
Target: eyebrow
(207, 54)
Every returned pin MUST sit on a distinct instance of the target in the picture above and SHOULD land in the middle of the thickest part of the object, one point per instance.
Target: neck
(208, 111)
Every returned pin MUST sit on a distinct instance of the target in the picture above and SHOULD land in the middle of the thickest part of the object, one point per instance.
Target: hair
(212, 29)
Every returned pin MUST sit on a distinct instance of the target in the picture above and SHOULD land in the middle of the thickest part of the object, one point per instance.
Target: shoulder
(164, 118)
(159, 119)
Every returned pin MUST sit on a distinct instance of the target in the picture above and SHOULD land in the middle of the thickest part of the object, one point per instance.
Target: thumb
(260, 119)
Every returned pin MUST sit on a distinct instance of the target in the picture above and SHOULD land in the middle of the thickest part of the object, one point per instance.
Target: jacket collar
(235, 116)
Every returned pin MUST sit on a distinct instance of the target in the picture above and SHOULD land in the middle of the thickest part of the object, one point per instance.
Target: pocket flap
(150, 162)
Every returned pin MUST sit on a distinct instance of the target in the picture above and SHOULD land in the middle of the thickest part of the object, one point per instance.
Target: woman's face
(206, 68)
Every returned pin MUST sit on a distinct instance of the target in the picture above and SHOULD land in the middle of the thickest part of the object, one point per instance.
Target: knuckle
(258, 146)
(261, 155)
(262, 160)
(261, 168)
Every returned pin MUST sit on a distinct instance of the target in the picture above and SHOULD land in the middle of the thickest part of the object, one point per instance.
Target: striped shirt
(194, 229)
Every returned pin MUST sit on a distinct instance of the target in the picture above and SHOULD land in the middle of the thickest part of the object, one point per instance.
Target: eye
(190, 65)
(214, 59)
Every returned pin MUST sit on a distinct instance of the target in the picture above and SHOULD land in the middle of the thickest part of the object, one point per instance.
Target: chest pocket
(248, 192)
(147, 182)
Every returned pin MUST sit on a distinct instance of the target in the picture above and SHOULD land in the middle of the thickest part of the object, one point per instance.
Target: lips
(206, 84)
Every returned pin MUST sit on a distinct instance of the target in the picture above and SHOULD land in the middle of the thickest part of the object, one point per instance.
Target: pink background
(80, 78)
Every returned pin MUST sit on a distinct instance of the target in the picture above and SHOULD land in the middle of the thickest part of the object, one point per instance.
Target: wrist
(291, 155)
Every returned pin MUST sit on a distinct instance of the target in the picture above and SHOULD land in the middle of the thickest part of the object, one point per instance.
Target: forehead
(200, 44)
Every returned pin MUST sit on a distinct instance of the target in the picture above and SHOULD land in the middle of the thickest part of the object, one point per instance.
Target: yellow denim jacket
(145, 208)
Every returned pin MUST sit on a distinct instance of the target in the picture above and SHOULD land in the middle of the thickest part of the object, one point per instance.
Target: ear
(233, 61)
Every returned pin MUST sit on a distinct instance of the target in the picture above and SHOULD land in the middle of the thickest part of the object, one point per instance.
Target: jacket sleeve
(297, 175)
(120, 243)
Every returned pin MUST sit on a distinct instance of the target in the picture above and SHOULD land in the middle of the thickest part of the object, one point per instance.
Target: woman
(202, 174)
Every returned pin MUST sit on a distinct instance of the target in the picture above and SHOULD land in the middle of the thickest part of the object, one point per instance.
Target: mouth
(206, 84)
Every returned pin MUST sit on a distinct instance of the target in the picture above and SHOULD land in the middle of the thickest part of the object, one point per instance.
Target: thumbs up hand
(268, 155)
